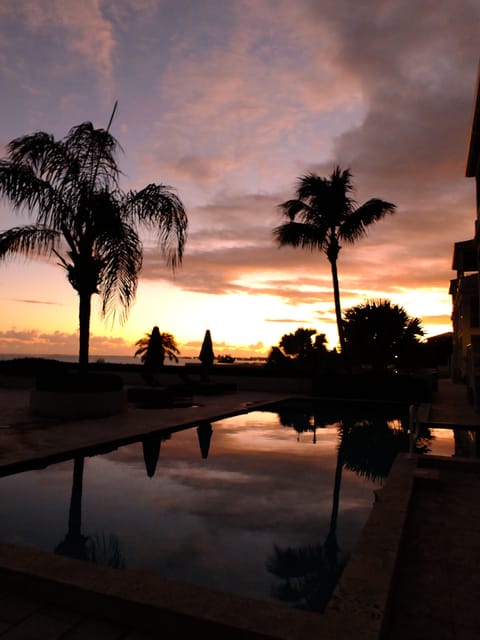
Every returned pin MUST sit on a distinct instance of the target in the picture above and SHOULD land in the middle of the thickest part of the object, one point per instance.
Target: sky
(229, 102)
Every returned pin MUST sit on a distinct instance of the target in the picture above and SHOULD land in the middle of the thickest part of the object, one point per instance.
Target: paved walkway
(450, 406)
(436, 588)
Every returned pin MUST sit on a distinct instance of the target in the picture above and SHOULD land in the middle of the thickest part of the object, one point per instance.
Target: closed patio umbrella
(206, 356)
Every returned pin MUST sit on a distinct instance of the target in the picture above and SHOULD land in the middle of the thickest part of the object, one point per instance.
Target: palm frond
(83, 161)
(291, 208)
(121, 252)
(355, 225)
(161, 212)
(414, 327)
(311, 186)
(100, 212)
(26, 191)
(328, 198)
(297, 234)
(28, 240)
(342, 180)
(170, 346)
(48, 159)
(95, 152)
(39, 151)
(142, 345)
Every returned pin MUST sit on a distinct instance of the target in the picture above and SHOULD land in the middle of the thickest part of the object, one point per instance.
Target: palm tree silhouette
(85, 219)
(154, 347)
(328, 215)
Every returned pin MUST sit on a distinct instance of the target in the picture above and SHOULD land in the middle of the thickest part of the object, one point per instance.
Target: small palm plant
(154, 347)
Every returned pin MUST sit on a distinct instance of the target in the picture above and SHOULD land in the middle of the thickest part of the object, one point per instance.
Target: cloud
(366, 89)
(245, 99)
(38, 342)
(36, 302)
(288, 320)
(192, 349)
(203, 170)
(82, 28)
(418, 106)
(408, 147)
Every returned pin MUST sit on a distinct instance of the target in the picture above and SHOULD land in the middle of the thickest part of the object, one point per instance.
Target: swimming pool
(267, 504)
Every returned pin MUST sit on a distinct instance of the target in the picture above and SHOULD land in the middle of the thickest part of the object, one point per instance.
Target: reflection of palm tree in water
(74, 544)
(311, 572)
(367, 447)
(301, 420)
(97, 548)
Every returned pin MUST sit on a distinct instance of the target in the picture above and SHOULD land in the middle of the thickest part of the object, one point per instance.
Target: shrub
(32, 367)
(74, 382)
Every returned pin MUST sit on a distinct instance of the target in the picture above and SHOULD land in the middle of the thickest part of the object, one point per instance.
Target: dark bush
(74, 382)
(245, 370)
(375, 385)
(32, 367)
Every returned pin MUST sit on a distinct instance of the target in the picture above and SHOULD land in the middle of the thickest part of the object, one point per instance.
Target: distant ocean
(93, 358)
(116, 359)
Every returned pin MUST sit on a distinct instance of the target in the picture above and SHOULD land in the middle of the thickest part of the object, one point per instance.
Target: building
(465, 288)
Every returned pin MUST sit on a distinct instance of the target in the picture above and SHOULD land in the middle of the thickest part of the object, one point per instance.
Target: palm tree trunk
(75, 513)
(74, 544)
(331, 540)
(338, 308)
(84, 326)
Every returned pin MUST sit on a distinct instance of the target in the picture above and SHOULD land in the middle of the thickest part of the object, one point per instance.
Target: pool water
(265, 504)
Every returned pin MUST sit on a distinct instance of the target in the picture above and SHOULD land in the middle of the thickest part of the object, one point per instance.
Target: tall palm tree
(85, 219)
(323, 215)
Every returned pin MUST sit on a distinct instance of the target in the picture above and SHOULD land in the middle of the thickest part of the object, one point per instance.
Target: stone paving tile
(37, 627)
(139, 635)
(465, 633)
(424, 630)
(95, 629)
(15, 608)
(438, 586)
(4, 626)
(63, 615)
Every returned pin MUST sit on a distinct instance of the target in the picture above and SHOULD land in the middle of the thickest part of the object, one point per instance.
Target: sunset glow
(229, 103)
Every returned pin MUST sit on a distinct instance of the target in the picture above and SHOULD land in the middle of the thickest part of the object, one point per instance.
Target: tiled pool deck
(415, 573)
